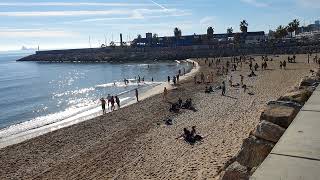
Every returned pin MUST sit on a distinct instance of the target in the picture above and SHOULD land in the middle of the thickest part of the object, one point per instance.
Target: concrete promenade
(296, 156)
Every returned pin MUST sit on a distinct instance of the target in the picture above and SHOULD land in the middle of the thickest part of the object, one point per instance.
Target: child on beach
(165, 93)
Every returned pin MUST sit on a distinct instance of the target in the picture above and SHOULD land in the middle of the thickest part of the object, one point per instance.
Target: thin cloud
(255, 3)
(161, 6)
(14, 33)
(72, 4)
(207, 21)
(61, 13)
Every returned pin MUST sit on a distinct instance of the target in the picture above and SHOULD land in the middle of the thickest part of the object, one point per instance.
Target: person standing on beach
(118, 101)
(165, 93)
(137, 95)
(202, 77)
(103, 105)
(109, 100)
(168, 79)
(112, 103)
(174, 80)
(223, 87)
(184, 71)
(195, 79)
(241, 79)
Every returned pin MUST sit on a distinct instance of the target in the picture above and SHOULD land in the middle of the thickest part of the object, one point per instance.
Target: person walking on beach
(109, 100)
(241, 79)
(195, 79)
(202, 77)
(223, 87)
(137, 95)
(174, 79)
(112, 103)
(184, 71)
(103, 105)
(168, 79)
(230, 80)
(165, 93)
(118, 101)
(284, 64)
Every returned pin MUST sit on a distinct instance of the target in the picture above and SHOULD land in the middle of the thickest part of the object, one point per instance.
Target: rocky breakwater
(274, 120)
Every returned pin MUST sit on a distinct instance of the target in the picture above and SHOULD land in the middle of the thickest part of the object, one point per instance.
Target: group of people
(111, 100)
(190, 137)
(175, 107)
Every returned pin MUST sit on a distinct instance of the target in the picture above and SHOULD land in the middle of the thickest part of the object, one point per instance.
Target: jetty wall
(119, 54)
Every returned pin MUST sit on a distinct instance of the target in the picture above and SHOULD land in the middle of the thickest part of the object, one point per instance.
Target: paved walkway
(297, 154)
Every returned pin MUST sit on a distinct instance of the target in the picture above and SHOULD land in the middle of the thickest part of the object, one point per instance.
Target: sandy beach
(134, 142)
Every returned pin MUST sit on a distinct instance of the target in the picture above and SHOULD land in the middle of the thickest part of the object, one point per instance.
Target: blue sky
(58, 24)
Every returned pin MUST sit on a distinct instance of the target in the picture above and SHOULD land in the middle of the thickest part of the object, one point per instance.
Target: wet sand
(134, 143)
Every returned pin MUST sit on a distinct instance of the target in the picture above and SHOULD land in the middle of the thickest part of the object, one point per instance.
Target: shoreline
(82, 116)
(134, 142)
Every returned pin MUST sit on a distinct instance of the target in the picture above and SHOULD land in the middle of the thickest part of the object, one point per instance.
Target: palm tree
(295, 24)
(210, 32)
(177, 32)
(290, 28)
(155, 38)
(281, 32)
(229, 30)
(244, 26)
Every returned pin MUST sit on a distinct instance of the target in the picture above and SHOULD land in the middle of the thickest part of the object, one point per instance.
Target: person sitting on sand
(180, 102)
(206, 90)
(174, 108)
(190, 136)
(230, 80)
(103, 105)
(210, 89)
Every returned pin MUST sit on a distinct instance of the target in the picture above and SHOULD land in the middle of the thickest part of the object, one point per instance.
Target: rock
(286, 103)
(298, 96)
(235, 172)
(280, 115)
(253, 151)
(309, 81)
(268, 131)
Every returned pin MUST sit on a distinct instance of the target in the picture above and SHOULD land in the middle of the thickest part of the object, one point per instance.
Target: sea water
(35, 95)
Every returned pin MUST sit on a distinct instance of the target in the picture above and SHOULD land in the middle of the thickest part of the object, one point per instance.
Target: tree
(210, 32)
(295, 24)
(290, 28)
(237, 38)
(139, 36)
(244, 26)
(281, 32)
(103, 45)
(155, 38)
(229, 30)
(177, 32)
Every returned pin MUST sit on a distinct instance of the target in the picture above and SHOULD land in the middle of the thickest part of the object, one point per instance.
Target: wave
(81, 110)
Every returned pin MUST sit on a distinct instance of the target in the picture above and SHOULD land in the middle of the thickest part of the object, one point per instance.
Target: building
(199, 39)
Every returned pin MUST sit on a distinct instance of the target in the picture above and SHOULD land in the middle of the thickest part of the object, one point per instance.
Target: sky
(63, 24)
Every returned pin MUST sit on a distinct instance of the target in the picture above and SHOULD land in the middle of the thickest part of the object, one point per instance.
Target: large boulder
(235, 171)
(309, 81)
(253, 151)
(268, 131)
(299, 96)
(280, 115)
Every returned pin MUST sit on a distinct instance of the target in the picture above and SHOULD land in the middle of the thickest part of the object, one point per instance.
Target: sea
(49, 96)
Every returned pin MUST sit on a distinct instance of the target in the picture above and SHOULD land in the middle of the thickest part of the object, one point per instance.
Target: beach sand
(134, 143)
